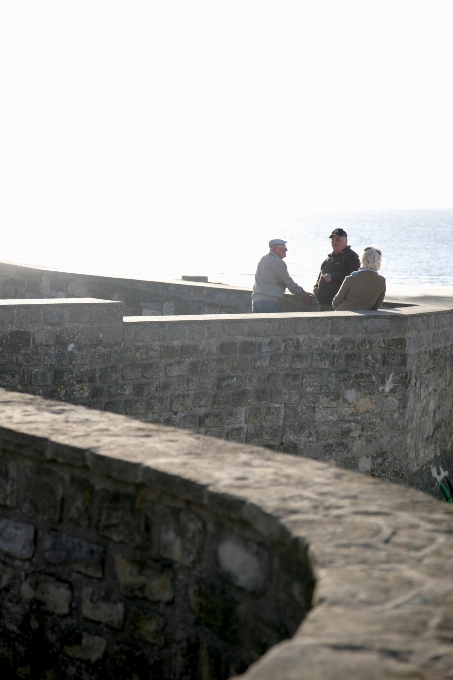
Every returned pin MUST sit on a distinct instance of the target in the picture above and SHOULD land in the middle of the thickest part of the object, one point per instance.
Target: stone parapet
(369, 391)
(136, 550)
(147, 298)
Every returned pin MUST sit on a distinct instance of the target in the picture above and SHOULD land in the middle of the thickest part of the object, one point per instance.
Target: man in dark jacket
(339, 264)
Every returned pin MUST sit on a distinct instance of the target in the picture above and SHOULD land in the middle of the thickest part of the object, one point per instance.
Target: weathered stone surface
(79, 497)
(243, 563)
(148, 628)
(86, 558)
(17, 539)
(182, 536)
(97, 608)
(8, 483)
(43, 494)
(91, 648)
(144, 579)
(382, 553)
(54, 595)
(121, 519)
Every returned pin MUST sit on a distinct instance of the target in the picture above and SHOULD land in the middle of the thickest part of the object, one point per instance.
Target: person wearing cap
(341, 262)
(271, 280)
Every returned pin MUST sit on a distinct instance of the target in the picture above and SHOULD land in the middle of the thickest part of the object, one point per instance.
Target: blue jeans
(265, 306)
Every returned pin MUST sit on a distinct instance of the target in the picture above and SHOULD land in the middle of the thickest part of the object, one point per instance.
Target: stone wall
(370, 391)
(141, 298)
(130, 550)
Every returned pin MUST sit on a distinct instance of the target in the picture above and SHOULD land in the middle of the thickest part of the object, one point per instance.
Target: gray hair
(371, 258)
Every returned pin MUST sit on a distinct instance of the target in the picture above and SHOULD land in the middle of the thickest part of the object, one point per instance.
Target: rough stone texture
(141, 298)
(356, 570)
(369, 391)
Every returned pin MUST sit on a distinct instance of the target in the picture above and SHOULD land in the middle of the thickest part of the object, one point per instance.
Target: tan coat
(362, 290)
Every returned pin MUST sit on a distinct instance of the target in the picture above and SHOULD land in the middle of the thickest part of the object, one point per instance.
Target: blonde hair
(371, 258)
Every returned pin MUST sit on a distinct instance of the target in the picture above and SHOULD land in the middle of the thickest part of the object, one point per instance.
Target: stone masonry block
(229, 382)
(181, 402)
(54, 595)
(108, 374)
(42, 493)
(211, 419)
(378, 325)
(27, 315)
(147, 627)
(187, 422)
(353, 359)
(240, 365)
(107, 313)
(6, 315)
(144, 579)
(365, 343)
(7, 357)
(41, 376)
(79, 555)
(191, 350)
(79, 313)
(121, 519)
(78, 501)
(89, 335)
(99, 355)
(15, 340)
(135, 407)
(221, 400)
(244, 563)
(321, 359)
(54, 315)
(182, 536)
(201, 400)
(6, 577)
(91, 648)
(77, 289)
(173, 368)
(159, 402)
(153, 370)
(263, 434)
(228, 347)
(249, 347)
(111, 334)
(280, 362)
(29, 357)
(263, 414)
(44, 336)
(172, 351)
(17, 539)
(114, 406)
(131, 372)
(97, 608)
(55, 357)
(8, 482)
(392, 343)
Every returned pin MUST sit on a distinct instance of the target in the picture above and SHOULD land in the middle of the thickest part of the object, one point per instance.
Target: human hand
(327, 278)
(307, 299)
(315, 291)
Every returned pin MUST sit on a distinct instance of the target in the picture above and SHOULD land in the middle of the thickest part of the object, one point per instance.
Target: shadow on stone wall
(137, 551)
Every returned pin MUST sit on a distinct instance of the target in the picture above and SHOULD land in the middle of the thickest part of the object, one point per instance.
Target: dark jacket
(339, 266)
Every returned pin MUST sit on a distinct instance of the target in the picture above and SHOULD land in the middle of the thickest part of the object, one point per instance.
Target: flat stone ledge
(382, 606)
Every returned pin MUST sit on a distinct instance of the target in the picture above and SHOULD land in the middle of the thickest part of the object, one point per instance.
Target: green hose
(446, 493)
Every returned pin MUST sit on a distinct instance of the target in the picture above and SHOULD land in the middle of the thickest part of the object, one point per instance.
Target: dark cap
(338, 232)
(277, 242)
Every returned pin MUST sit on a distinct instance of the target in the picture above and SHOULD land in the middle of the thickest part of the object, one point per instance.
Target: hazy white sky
(155, 135)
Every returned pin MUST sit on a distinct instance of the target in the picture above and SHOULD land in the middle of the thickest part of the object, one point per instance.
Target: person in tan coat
(364, 289)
